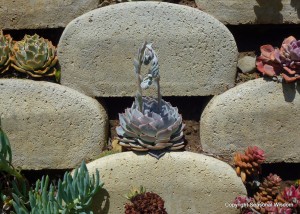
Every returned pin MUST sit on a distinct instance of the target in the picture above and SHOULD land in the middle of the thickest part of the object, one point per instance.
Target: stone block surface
(35, 14)
(197, 54)
(188, 182)
(51, 126)
(256, 113)
(236, 12)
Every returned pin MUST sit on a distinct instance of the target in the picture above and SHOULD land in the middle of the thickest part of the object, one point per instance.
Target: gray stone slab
(236, 12)
(188, 182)
(33, 14)
(256, 113)
(197, 54)
(51, 126)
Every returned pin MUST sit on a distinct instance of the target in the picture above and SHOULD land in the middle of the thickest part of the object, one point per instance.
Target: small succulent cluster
(144, 202)
(267, 198)
(269, 188)
(249, 164)
(152, 125)
(72, 194)
(281, 63)
(33, 55)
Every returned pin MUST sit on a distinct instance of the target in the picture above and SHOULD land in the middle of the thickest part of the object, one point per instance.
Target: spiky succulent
(35, 56)
(281, 63)
(249, 164)
(5, 51)
(152, 125)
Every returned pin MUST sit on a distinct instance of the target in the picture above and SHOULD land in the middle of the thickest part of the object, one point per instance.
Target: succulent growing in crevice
(269, 188)
(152, 125)
(145, 202)
(249, 164)
(281, 63)
(35, 56)
(5, 51)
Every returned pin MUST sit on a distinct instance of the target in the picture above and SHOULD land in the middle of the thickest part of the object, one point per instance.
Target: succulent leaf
(5, 51)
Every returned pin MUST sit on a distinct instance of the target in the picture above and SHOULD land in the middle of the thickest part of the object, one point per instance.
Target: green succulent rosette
(35, 56)
(5, 52)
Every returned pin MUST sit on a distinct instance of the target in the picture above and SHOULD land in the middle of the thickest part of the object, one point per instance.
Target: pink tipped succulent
(242, 200)
(285, 61)
(292, 195)
(257, 154)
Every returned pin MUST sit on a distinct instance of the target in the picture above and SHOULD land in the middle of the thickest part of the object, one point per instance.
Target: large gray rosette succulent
(152, 125)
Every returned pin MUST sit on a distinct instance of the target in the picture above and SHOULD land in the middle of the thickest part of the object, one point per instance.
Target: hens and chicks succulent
(32, 55)
(152, 125)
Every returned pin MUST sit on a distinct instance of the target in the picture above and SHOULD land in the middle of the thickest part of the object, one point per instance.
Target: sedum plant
(35, 56)
(73, 195)
(5, 51)
(144, 202)
(249, 164)
(151, 124)
(281, 63)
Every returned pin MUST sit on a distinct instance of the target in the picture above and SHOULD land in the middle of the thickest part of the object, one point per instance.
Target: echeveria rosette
(5, 51)
(35, 56)
(154, 131)
(285, 61)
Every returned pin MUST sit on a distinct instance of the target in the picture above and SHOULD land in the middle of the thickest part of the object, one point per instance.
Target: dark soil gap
(287, 171)
(251, 37)
(190, 108)
(52, 34)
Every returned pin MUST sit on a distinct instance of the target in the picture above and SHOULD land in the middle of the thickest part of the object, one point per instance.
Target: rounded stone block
(33, 14)
(51, 126)
(197, 54)
(236, 12)
(256, 113)
(188, 182)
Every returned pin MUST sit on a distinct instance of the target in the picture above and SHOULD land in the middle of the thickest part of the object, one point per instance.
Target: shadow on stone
(296, 4)
(268, 11)
(289, 91)
(101, 202)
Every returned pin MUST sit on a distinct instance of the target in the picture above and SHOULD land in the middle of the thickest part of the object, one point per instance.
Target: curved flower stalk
(152, 125)
(35, 56)
(281, 63)
(5, 51)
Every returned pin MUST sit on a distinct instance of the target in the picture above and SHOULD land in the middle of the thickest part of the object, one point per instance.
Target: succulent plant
(152, 125)
(147, 202)
(269, 189)
(35, 56)
(243, 203)
(5, 51)
(249, 164)
(285, 61)
(134, 192)
(73, 195)
(290, 195)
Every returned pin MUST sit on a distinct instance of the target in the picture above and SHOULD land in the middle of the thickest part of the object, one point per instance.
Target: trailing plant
(249, 164)
(5, 51)
(144, 202)
(73, 194)
(280, 63)
(35, 56)
(152, 125)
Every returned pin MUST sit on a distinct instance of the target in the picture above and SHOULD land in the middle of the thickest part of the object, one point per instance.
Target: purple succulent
(284, 61)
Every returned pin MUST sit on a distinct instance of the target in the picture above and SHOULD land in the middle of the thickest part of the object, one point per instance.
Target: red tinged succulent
(285, 62)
